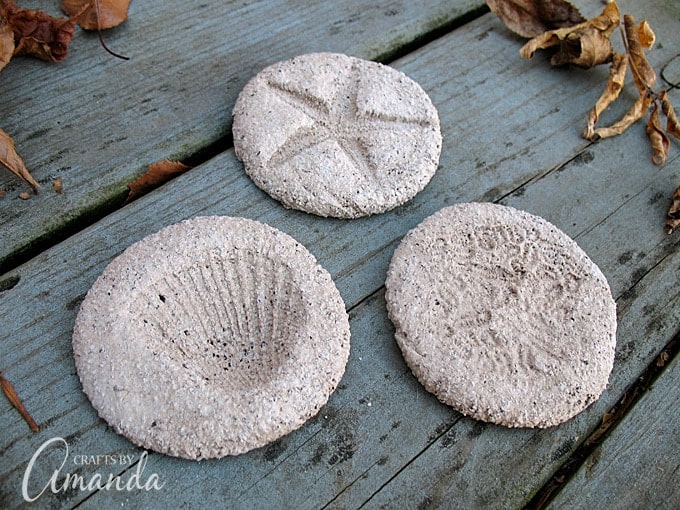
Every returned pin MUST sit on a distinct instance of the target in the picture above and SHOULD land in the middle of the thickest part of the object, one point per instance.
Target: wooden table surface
(512, 135)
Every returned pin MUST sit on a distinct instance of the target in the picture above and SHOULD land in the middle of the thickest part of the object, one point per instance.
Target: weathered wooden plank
(638, 466)
(97, 122)
(613, 202)
(500, 468)
(360, 448)
(357, 444)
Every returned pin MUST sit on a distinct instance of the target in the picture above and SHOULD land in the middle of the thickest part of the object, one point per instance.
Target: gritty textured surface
(501, 315)
(211, 337)
(337, 136)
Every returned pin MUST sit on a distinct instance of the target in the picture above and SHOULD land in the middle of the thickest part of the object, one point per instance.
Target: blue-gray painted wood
(511, 134)
(638, 466)
(98, 122)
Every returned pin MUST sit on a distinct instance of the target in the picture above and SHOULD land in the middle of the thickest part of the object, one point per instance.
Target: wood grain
(511, 133)
(644, 444)
(97, 122)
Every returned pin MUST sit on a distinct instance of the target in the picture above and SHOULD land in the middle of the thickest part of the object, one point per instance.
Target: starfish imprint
(352, 139)
(339, 121)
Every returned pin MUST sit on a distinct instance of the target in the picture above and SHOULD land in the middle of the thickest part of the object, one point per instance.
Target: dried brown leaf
(646, 35)
(157, 174)
(635, 113)
(13, 162)
(673, 219)
(586, 47)
(530, 18)
(586, 44)
(543, 41)
(38, 34)
(643, 73)
(6, 43)
(97, 14)
(14, 399)
(657, 137)
(617, 74)
(58, 185)
(608, 20)
(672, 124)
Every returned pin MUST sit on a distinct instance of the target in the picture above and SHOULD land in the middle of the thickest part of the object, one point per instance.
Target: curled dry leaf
(672, 124)
(14, 399)
(97, 14)
(6, 42)
(38, 34)
(586, 44)
(586, 47)
(673, 219)
(662, 359)
(13, 162)
(657, 137)
(157, 174)
(636, 112)
(637, 39)
(530, 18)
(617, 75)
(646, 35)
(643, 73)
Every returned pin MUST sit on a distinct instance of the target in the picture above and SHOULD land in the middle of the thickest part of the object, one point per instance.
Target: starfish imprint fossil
(353, 139)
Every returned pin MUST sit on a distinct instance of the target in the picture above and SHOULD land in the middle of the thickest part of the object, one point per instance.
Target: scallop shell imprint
(211, 337)
(501, 315)
(335, 135)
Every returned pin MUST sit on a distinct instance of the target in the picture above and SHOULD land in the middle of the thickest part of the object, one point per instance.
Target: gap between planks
(204, 154)
(631, 395)
(612, 418)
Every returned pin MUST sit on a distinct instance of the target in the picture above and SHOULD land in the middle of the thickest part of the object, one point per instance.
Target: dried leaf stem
(14, 399)
(587, 43)
(83, 12)
(101, 37)
(10, 159)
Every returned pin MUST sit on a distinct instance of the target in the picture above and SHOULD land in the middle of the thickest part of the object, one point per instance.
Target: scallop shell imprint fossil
(335, 135)
(211, 337)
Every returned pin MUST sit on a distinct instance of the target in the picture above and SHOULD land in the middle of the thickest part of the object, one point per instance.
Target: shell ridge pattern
(230, 324)
(214, 338)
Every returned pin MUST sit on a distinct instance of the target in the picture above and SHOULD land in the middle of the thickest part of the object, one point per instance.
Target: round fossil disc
(211, 337)
(501, 315)
(337, 136)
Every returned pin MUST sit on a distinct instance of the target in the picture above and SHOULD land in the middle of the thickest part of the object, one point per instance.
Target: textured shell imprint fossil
(211, 337)
(501, 315)
(335, 135)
